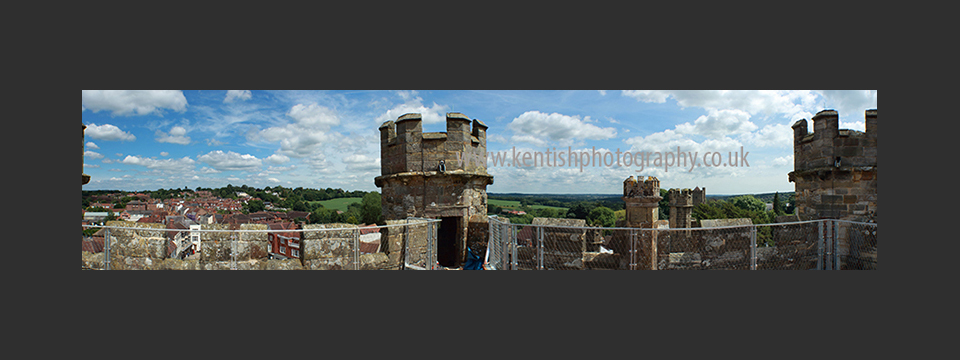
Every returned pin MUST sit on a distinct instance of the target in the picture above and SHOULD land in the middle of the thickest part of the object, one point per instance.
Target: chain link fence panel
(858, 242)
(790, 246)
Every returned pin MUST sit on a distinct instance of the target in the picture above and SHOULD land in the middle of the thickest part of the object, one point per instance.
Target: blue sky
(150, 139)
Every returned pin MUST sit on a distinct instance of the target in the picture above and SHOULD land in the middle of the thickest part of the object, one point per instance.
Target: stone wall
(835, 170)
(146, 248)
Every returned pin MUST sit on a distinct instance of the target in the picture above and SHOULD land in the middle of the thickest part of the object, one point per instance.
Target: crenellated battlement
(835, 170)
(405, 147)
(680, 197)
(641, 187)
(830, 146)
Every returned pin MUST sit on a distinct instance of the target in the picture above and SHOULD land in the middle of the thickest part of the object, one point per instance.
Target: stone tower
(835, 171)
(84, 178)
(682, 203)
(440, 176)
(642, 198)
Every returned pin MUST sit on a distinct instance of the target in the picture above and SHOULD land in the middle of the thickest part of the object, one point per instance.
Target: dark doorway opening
(448, 242)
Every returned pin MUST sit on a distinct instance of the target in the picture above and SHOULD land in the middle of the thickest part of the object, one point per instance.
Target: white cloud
(856, 125)
(133, 102)
(654, 96)
(603, 92)
(851, 104)
(230, 161)
(91, 145)
(92, 155)
(789, 103)
(177, 135)
(306, 135)
(234, 95)
(313, 116)
(538, 128)
(108, 132)
(496, 138)
(164, 153)
(783, 161)
(773, 135)
(718, 123)
(414, 104)
(361, 163)
(276, 159)
(183, 164)
(214, 142)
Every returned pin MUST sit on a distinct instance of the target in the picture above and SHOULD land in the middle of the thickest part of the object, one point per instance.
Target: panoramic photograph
(487, 180)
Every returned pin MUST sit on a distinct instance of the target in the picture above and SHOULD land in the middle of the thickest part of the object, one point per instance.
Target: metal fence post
(753, 247)
(633, 250)
(836, 245)
(820, 245)
(513, 247)
(828, 237)
(429, 264)
(356, 249)
(106, 246)
(233, 251)
(540, 247)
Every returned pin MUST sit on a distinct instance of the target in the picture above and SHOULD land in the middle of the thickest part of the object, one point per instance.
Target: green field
(509, 204)
(338, 204)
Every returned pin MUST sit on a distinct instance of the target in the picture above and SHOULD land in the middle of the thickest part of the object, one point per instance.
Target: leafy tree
(664, 205)
(253, 206)
(602, 216)
(371, 210)
(749, 203)
(580, 210)
(547, 213)
(777, 205)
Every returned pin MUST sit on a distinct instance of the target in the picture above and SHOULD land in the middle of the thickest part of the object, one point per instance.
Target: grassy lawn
(507, 204)
(338, 204)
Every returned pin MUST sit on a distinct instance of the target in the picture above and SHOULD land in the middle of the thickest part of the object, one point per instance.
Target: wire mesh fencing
(810, 245)
(857, 245)
(420, 245)
(722, 248)
(791, 246)
(138, 246)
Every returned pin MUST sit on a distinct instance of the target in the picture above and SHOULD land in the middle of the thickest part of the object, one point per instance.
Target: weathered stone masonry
(642, 198)
(146, 248)
(835, 171)
(438, 175)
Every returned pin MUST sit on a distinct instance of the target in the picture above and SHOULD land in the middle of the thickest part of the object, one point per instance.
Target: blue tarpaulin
(474, 262)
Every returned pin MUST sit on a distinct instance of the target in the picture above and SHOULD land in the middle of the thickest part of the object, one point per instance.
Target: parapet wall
(404, 147)
(146, 248)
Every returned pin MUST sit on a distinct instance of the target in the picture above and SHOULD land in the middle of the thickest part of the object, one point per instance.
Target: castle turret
(439, 175)
(835, 170)
(642, 198)
(682, 203)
